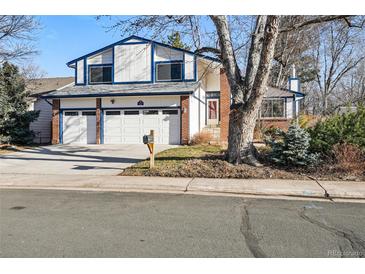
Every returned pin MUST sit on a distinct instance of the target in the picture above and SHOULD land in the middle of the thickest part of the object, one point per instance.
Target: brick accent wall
(55, 121)
(278, 123)
(225, 101)
(98, 121)
(184, 103)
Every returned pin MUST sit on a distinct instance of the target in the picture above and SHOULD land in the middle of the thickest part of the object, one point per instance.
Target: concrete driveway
(74, 160)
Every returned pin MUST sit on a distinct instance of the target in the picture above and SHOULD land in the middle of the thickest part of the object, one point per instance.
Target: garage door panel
(112, 127)
(131, 125)
(79, 127)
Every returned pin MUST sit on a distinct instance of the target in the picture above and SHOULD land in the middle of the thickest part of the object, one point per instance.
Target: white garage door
(128, 126)
(79, 127)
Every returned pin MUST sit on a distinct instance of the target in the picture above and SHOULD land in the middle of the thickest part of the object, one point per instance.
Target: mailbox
(148, 139)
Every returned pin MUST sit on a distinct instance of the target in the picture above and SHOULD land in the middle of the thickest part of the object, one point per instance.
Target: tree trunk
(243, 116)
(242, 123)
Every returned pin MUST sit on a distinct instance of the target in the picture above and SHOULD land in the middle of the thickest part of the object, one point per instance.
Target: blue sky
(63, 38)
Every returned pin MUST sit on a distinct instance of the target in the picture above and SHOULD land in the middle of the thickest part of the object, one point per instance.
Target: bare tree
(247, 88)
(17, 32)
(336, 55)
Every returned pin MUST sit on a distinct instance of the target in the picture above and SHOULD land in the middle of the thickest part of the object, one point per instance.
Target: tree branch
(317, 20)
(208, 49)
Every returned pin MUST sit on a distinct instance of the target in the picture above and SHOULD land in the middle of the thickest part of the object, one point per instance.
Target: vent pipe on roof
(293, 74)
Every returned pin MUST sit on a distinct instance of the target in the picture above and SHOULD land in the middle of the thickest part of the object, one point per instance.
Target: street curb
(305, 189)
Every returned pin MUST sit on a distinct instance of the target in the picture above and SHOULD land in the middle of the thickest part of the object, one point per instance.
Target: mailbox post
(149, 140)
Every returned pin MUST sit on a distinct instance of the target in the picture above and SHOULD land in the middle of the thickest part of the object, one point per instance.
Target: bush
(15, 117)
(307, 121)
(202, 138)
(293, 149)
(349, 158)
(339, 129)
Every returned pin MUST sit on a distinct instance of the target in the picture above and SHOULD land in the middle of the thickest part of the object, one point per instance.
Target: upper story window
(100, 74)
(273, 108)
(169, 71)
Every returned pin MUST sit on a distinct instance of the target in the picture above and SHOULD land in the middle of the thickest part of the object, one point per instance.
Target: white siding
(167, 54)
(134, 41)
(196, 111)
(189, 66)
(203, 110)
(105, 57)
(213, 81)
(132, 63)
(149, 101)
(80, 72)
(289, 108)
(42, 126)
(118, 62)
(78, 103)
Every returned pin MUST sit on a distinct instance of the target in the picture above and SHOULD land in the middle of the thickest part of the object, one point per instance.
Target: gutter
(116, 94)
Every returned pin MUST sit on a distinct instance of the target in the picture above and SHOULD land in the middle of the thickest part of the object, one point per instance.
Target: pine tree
(293, 150)
(174, 40)
(15, 117)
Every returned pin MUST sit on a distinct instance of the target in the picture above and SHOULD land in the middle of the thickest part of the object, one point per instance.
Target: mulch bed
(213, 165)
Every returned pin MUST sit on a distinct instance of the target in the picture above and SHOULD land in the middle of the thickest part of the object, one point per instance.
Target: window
(169, 71)
(131, 112)
(88, 113)
(112, 112)
(71, 113)
(272, 108)
(150, 112)
(170, 111)
(100, 74)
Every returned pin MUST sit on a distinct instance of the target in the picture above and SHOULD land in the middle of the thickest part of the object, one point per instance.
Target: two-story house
(125, 89)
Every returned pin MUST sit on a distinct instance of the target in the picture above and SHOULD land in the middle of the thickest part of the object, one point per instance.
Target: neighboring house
(124, 90)
(37, 87)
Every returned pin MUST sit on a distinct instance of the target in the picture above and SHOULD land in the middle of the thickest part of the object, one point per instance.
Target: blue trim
(85, 71)
(183, 68)
(135, 43)
(100, 65)
(195, 69)
(113, 65)
(132, 82)
(60, 126)
(123, 41)
(152, 62)
(80, 109)
(76, 84)
(170, 62)
(101, 122)
(119, 94)
(100, 50)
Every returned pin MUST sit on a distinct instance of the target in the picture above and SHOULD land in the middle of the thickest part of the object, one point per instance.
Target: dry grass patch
(203, 161)
(6, 149)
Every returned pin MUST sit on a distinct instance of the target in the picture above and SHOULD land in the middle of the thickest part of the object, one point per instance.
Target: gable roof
(142, 40)
(278, 92)
(45, 85)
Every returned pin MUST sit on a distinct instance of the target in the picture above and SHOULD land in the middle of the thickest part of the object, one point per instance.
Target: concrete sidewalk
(269, 187)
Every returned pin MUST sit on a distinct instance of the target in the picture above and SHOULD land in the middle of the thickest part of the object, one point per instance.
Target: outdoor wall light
(112, 101)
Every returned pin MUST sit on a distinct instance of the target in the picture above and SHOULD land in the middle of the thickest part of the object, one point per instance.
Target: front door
(212, 111)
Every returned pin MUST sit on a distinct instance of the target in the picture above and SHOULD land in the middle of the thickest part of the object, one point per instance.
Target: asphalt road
(45, 223)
